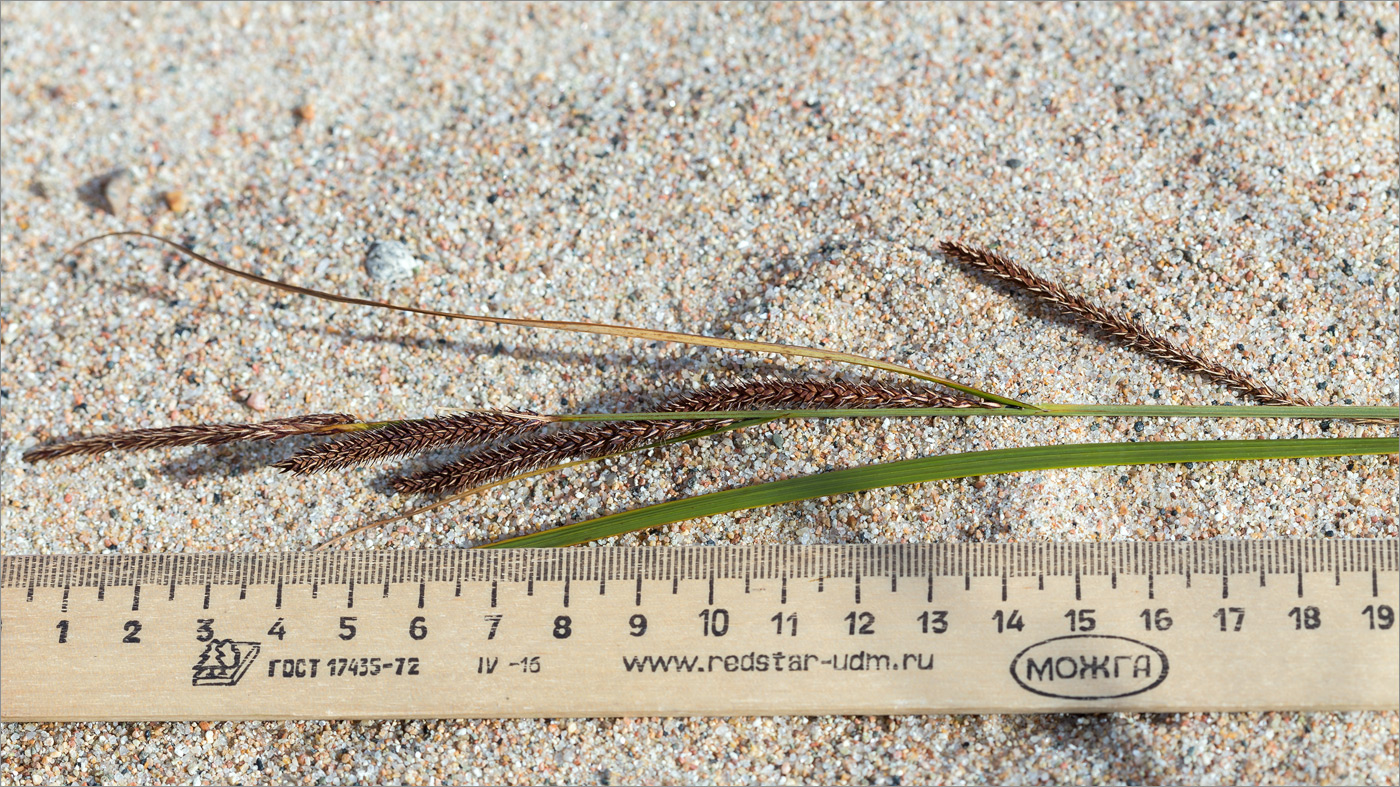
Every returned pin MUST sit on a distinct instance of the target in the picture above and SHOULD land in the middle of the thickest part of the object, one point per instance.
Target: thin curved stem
(674, 337)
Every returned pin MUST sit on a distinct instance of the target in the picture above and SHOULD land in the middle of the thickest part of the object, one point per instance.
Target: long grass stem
(674, 337)
(1043, 411)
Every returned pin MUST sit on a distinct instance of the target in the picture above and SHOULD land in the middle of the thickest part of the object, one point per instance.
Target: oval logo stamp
(1089, 667)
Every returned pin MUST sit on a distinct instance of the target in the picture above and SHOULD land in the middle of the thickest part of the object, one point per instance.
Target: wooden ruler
(1021, 628)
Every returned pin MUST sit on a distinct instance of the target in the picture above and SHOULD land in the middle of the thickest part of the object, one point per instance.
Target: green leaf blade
(935, 468)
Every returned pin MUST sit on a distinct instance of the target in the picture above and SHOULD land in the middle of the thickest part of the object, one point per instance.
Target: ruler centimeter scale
(967, 627)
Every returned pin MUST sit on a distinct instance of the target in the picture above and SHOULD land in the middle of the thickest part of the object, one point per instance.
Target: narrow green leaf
(934, 468)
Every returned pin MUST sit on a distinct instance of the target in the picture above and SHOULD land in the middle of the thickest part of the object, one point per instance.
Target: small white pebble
(390, 260)
(117, 191)
(257, 401)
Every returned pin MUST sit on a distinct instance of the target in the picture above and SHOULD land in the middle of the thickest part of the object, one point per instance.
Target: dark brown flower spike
(198, 434)
(827, 394)
(1118, 328)
(501, 461)
(602, 439)
(391, 439)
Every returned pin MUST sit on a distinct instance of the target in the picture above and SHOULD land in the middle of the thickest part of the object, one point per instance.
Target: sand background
(764, 172)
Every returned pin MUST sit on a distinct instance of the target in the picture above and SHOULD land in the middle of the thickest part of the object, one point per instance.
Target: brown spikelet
(827, 394)
(597, 440)
(401, 438)
(197, 434)
(1119, 328)
(521, 456)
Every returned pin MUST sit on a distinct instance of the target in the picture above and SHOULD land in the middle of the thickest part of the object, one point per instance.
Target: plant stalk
(1045, 410)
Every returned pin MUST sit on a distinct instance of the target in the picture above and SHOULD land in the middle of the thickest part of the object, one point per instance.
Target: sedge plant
(507, 445)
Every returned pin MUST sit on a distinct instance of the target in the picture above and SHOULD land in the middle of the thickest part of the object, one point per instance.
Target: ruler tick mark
(967, 582)
(746, 585)
(422, 589)
(1076, 586)
(1003, 586)
(1374, 591)
(101, 592)
(1150, 592)
(712, 591)
(29, 594)
(1261, 578)
(602, 586)
(1224, 585)
(1113, 580)
(171, 597)
(639, 592)
(675, 584)
(930, 588)
(566, 592)
(783, 598)
(457, 590)
(1300, 583)
(206, 595)
(386, 590)
(857, 588)
(136, 598)
(278, 605)
(350, 596)
(821, 584)
(242, 591)
(1040, 581)
(493, 592)
(894, 583)
(529, 587)
(65, 598)
(315, 589)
